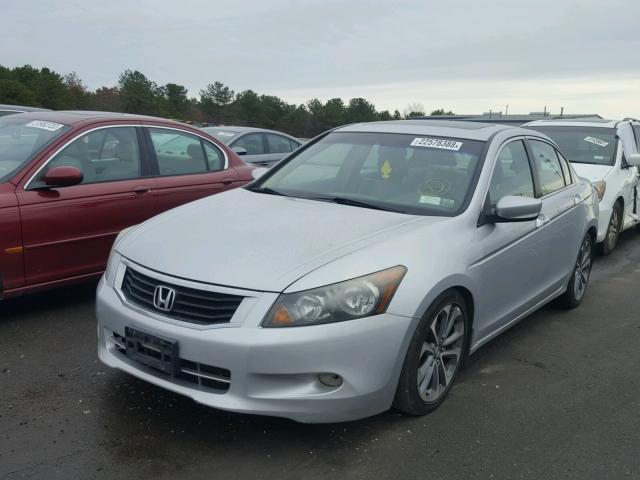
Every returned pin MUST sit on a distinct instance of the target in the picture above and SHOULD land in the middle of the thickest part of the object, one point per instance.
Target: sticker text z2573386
(436, 143)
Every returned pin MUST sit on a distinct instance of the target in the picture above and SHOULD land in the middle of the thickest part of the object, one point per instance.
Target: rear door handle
(577, 200)
(141, 190)
(542, 220)
(227, 181)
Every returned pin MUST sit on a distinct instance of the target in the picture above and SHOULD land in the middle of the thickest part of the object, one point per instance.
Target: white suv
(606, 152)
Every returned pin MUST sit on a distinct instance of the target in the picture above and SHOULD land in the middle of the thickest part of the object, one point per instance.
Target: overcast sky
(469, 56)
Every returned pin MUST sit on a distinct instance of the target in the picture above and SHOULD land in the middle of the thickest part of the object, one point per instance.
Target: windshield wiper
(267, 190)
(357, 203)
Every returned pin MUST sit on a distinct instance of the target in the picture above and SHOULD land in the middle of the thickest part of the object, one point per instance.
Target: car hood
(255, 241)
(593, 173)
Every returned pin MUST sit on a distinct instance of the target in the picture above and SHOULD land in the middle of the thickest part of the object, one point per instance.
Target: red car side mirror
(62, 176)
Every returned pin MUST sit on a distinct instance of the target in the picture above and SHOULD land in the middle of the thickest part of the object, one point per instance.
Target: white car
(606, 152)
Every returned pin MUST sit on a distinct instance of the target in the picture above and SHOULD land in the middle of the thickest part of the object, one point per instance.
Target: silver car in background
(257, 146)
(356, 275)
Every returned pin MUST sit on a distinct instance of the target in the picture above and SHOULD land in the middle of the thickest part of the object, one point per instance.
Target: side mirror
(517, 209)
(239, 150)
(62, 176)
(258, 172)
(634, 160)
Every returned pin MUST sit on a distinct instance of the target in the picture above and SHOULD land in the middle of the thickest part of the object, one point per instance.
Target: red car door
(68, 232)
(188, 166)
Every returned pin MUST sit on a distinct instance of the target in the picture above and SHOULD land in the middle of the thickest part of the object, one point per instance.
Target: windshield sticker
(596, 141)
(429, 200)
(386, 170)
(436, 143)
(435, 186)
(598, 157)
(50, 126)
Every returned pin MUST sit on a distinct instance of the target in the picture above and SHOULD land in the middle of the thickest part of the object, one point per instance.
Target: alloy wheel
(582, 270)
(441, 352)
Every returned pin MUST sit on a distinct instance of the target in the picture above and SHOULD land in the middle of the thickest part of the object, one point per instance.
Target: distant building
(511, 119)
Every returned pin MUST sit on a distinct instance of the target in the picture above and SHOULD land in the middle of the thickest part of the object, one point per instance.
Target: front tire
(613, 230)
(436, 352)
(580, 276)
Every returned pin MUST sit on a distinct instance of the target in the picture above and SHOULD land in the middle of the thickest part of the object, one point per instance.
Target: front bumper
(274, 371)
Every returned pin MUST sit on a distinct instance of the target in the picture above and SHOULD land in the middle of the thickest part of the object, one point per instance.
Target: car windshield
(221, 134)
(414, 174)
(584, 144)
(21, 139)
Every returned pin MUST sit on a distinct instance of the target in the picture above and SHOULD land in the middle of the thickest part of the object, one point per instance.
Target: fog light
(330, 379)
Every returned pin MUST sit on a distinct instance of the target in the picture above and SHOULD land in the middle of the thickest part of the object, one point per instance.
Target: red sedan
(70, 181)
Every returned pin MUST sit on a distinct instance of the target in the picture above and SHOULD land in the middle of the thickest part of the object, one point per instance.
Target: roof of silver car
(440, 128)
(237, 130)
(575, 122)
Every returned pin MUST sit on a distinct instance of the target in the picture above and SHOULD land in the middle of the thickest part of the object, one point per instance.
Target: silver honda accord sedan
(356, 275)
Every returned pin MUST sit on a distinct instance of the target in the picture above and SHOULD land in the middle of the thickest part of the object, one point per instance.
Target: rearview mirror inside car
(62, 176)
(239, 150)
(634, 160)
(258, 172)
(517, 209)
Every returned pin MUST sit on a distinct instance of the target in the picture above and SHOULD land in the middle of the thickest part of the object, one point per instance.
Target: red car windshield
(21, 139)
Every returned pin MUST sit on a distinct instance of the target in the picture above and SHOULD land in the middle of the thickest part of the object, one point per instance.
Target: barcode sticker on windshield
(596, 141)
(50, 126)
(436, 143)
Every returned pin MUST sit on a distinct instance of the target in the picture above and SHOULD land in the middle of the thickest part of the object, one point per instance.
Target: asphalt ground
(556, 396)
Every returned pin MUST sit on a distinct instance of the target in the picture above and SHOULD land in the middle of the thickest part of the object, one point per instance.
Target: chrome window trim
(136, 125)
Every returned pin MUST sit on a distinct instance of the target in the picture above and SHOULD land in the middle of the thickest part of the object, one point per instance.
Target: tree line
(216, 104)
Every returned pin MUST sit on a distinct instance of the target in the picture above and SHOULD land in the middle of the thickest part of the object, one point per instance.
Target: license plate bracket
(152, 350)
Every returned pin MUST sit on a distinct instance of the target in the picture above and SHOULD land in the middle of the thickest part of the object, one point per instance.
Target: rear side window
(178, 153)
(278, 144)
(103, 155)
(215, 158)
(547, 165)
(512, 173)
(252, 143)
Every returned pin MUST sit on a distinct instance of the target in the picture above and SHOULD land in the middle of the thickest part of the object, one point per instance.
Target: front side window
(178, 153)
(414, 174)
(636, 133)
(593, 145)
(103, 155)
(512, 173)
(252, 143)
(278, 144)
(21, 140)
(547, 165)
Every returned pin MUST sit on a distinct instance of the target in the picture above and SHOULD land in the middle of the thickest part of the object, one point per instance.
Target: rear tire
(580, 276)
(613, 230)
(437, 350)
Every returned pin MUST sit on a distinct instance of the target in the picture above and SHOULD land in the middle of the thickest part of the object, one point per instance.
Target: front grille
(190, 305)
(192, 374)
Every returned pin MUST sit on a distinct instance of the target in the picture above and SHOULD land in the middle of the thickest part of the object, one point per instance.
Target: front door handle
(577, 200)
(141, 190)
(227, 181)
(542, 220)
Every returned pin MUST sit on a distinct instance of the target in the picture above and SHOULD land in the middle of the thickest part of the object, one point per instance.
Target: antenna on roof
(561, 111)
(545, 111)
(506, 110)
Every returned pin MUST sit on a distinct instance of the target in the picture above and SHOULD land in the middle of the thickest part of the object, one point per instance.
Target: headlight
(356, 298)
(601, 187)
(112, 267)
